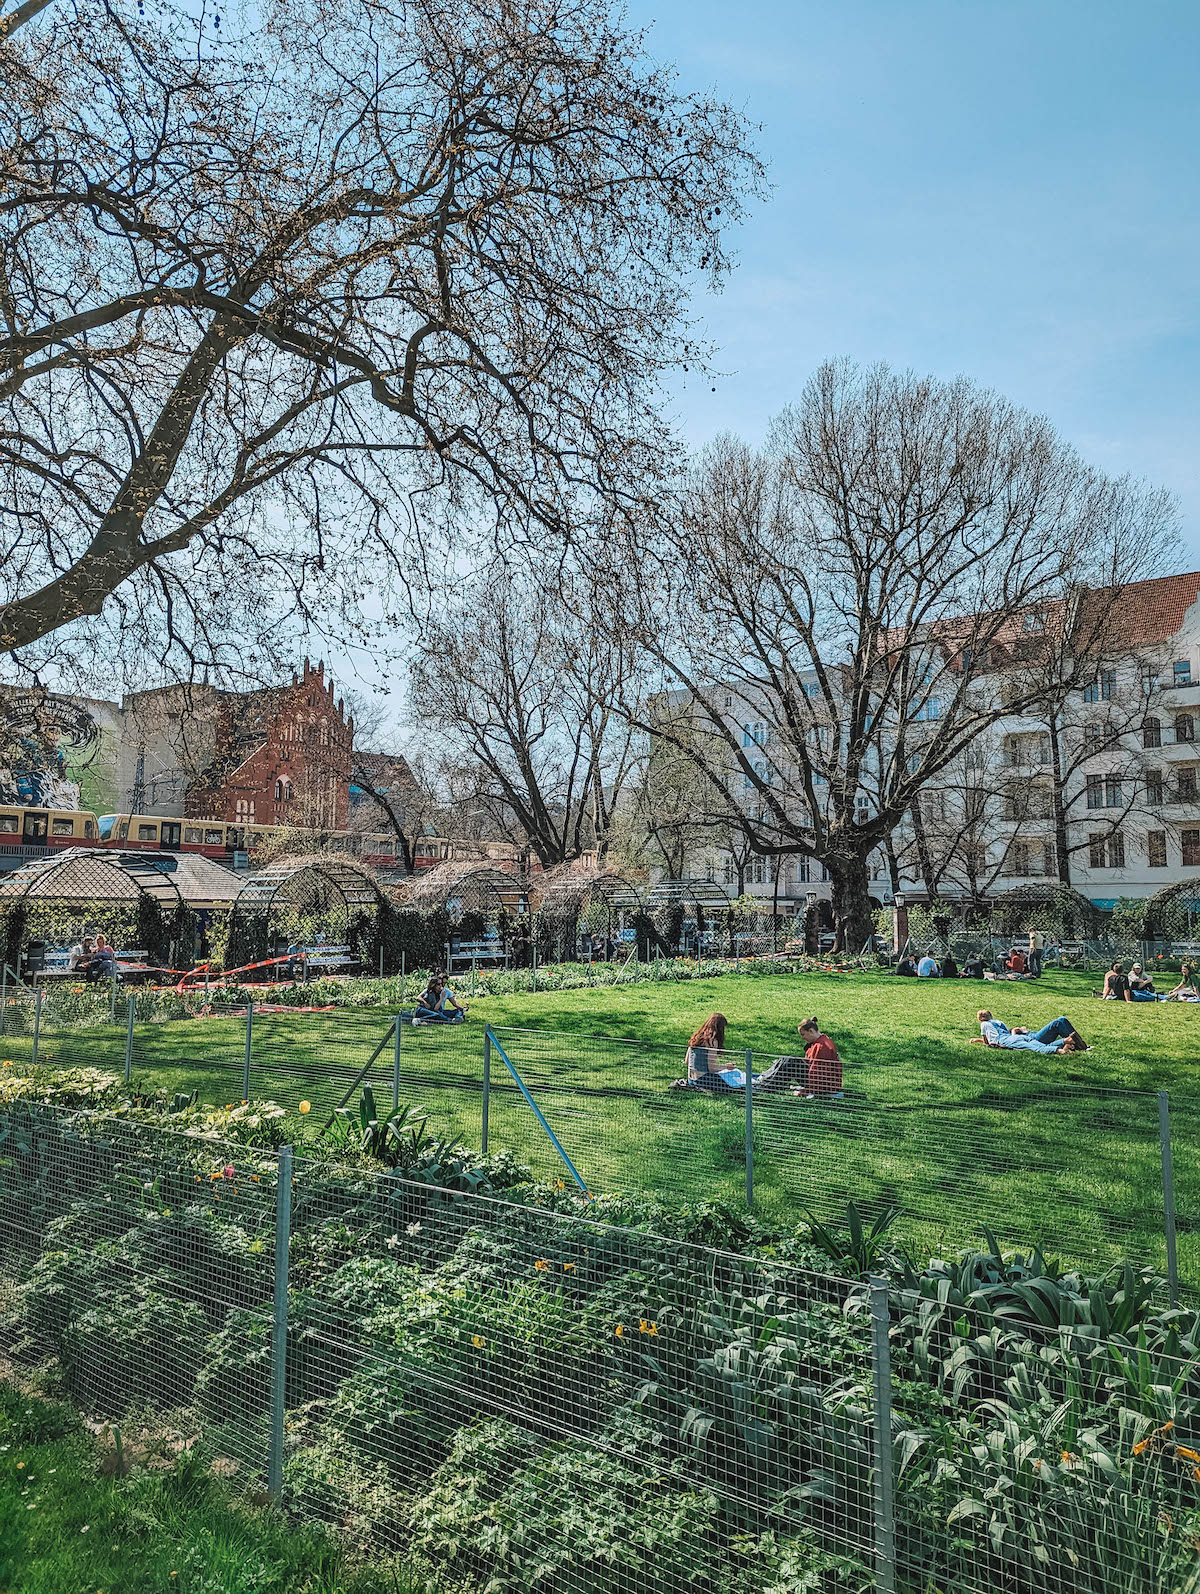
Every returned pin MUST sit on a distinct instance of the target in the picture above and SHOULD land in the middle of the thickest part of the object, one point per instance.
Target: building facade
(1100, 790)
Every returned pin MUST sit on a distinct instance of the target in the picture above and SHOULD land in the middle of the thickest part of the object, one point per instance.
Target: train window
(89, 827)
(147, 832)
(193, 836)
(214, 838)
(62, 827)
(123, 830)
(9, 824)
(338, 843)
(386, 849)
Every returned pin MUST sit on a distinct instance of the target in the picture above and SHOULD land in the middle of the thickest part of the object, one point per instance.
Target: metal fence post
(397, 1041)
(403, 978)
(129, 1039)
(112, 1005)
(283, 1228)
(1168, 1183)
(749, 1129)
(533, 951)
(249, 1040)
(37, 1027)
(487, 1084)
(3, 996)
(881, 1372)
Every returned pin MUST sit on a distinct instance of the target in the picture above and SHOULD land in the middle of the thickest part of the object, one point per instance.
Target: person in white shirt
(927, 968)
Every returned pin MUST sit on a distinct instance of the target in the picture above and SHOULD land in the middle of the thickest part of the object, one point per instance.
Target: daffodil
(306, 1106)
(568, 1267)
(478, 1341)
(619, 1330)
(647, 1327)
(541, 1265)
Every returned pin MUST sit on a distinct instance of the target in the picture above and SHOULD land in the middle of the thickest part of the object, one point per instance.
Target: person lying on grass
(1060, 1035)
(437, 1005)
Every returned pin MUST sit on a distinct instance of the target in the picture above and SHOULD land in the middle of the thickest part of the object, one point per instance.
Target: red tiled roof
(1146, 611)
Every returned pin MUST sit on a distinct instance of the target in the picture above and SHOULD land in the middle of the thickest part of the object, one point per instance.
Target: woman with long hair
(705, 1048)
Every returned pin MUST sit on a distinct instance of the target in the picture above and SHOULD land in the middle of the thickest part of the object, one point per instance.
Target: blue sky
(1006, 190)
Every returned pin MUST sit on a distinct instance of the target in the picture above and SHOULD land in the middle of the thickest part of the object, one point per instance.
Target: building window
(1116, 850)
(931, 709)
(1093, 740)
(244, 811)
(1095, 792)
(278, 791)
(1156, 788)
(1033, 620)
(1114, 791)
(1091, 692)
(1186, 785)
(756, 872)
(1156, 849)
(1182, 672)
(1152, 732)
(1190, 840)
(1096, 850)
(803, 870)
(1185, 728)
(728, 872)
(1149, 684)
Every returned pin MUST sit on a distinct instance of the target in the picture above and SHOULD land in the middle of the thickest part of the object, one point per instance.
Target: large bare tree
(836, 611)
(277, 310)
(520, 692)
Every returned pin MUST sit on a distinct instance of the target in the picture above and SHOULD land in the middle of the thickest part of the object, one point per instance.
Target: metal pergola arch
(315, 883)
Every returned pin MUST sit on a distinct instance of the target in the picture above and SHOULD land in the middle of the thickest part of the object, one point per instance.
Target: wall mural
(40, 735)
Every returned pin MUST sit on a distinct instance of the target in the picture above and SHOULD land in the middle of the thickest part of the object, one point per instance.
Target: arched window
(1185, 728)
(278, 791)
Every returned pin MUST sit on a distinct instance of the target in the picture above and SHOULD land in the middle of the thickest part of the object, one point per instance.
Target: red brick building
(281, 757)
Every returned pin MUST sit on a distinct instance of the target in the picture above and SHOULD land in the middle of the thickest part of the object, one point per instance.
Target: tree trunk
(922, 841)
(1062, 845)
(853, 915)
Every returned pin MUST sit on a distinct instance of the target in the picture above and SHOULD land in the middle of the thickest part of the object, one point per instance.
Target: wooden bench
(467, 953)
(326, 959)
(130, 964)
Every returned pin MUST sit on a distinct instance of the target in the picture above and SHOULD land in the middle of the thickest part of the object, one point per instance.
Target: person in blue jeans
(1060, 1035)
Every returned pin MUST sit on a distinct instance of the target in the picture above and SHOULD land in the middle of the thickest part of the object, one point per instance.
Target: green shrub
(519, 1515)
(136, 1346)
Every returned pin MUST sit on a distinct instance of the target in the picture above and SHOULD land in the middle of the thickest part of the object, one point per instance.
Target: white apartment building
(1123, 754)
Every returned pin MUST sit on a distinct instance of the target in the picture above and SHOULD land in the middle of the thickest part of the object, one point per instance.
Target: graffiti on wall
(40, 736)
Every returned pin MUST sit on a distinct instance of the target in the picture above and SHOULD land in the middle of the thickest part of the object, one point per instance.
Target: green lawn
(75, 1521)
(1063, 1152)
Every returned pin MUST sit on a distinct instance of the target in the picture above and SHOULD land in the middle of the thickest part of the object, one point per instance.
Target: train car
(37, 831)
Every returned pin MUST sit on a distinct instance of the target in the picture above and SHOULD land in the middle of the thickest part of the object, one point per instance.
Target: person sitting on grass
(1116, 986)
(1141, 986)
(949, 967)
(1186, 990)
(906, 967)
(704, 1051)
(927, 968)
(824, 1064)
(1060, 1035)
(437, 1005)
(972, 969)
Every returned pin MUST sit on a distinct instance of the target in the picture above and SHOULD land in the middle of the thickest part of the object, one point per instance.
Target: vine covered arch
(683, 916)
(1059, 911)
(461, 899)
(133, 898)
(575, 908)
(297, 900)
(1170, 914)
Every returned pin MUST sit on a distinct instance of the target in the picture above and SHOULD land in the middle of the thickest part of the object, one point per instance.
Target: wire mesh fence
(1086, 1171)
(514, 1398)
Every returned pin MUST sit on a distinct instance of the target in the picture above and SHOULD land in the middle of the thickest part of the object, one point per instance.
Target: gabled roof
(1145, 611)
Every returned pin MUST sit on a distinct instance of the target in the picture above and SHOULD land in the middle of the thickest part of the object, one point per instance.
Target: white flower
(392, 1241)
(413, 1228)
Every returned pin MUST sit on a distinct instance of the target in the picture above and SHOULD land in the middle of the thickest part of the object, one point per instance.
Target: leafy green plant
(856, 1247)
